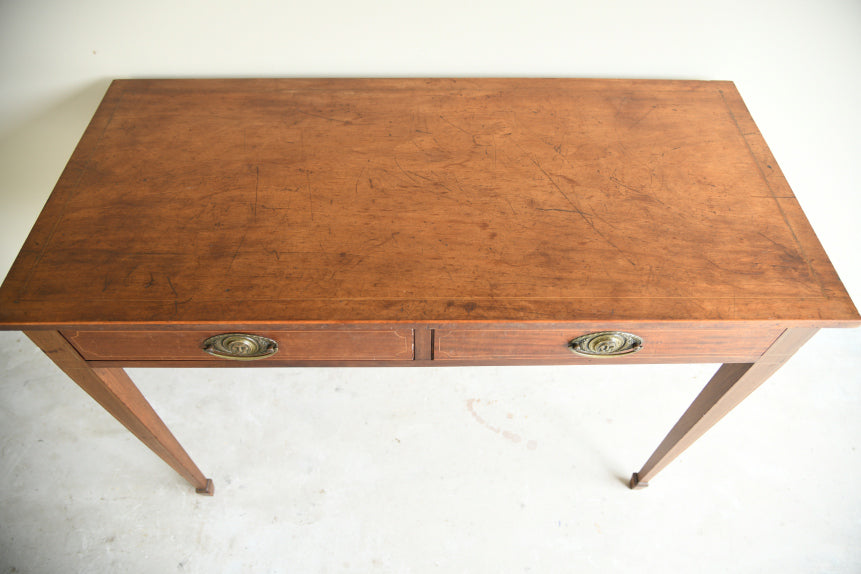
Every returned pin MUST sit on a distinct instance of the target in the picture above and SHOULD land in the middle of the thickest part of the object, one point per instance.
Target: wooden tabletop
(275, 201)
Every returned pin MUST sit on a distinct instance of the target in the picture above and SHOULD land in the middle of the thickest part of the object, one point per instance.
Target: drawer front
(371, 344)
(659, 344)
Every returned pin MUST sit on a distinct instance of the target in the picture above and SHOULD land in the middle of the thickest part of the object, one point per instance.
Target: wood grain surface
(190, 202)
(369, 344)
(664, 343)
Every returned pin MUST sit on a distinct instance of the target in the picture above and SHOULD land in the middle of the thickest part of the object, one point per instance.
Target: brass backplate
(240, 346)
(606, 344)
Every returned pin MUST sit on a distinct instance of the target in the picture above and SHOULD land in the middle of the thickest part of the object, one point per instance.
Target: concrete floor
(434, 470)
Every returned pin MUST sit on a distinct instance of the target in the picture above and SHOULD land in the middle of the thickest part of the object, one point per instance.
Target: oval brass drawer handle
(606, 344)
(240, 346)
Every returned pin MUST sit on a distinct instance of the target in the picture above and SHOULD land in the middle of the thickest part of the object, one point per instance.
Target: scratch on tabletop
(322, 117)
(310, 196)
(641, 118)
(256, 191)
(232, 259)
(170, 284)
(443, 118)
(580, 212)
(405, 172)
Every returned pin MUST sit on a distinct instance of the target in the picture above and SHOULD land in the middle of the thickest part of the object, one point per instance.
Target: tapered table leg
(728, 387)
(114, 390)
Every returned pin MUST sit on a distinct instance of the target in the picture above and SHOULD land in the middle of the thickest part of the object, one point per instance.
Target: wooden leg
(114, 390)
(727, 388)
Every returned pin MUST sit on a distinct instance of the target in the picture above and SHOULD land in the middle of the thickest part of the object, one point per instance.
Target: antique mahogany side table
(274, 223)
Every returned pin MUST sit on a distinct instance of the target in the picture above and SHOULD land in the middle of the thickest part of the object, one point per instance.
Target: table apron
(400, 345)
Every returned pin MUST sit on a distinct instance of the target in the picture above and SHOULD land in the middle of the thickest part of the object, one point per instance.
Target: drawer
(371, 344)
(659, 344)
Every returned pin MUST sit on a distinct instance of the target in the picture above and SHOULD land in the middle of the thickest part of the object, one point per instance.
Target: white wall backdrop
(70, 503)
(797, 63)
